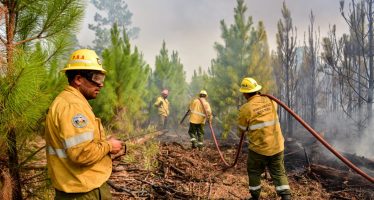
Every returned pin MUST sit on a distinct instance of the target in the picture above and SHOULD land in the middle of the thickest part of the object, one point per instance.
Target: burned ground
(180, 172)
(166, 167)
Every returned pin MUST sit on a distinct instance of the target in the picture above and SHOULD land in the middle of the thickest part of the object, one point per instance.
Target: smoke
(365, 144)
(343, 134)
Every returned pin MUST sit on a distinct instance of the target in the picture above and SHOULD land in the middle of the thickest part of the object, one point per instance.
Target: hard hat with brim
(249, 85)
(84, 59)
(203, 92)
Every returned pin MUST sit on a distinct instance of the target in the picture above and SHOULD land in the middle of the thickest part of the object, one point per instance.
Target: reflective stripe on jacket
(77, 150)
(259, 117)
(197, 111)
(163, 106)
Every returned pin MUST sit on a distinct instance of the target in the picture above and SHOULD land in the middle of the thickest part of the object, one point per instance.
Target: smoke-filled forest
(325, 78)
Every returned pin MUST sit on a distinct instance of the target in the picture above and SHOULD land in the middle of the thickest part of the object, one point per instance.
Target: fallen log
(165, 189)
(340, 178)
(360, 161)
(120, 189)
(37, 166)
(316, 154)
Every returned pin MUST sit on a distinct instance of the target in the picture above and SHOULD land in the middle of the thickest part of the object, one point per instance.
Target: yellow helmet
(249, 85)
(84, 59)
(203, 92)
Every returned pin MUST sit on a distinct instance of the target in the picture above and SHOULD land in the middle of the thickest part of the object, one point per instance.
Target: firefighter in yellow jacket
(258, 117)
(162, 104)
(77, 148)
(199, 111)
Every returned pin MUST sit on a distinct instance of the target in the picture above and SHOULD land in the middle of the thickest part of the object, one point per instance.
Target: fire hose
(216, 142)
(306, 126)
(323, 141)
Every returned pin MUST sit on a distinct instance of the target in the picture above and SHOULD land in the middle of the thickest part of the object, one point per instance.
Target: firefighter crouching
(258, 117)
(198, 119)
(77, 149)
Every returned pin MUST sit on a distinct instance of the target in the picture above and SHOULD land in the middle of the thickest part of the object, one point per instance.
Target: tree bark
(10, 20)
(13, 164)
(371, 67)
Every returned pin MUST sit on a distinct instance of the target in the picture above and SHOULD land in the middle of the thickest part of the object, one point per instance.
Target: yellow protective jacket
(163, 106)
(259, 117)
(77, 150)
(197, 115)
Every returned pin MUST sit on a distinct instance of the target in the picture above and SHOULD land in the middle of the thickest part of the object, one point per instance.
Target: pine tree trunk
(313, 91)
(10, 19)
(289, 104)
(371, 67)
(13, 164)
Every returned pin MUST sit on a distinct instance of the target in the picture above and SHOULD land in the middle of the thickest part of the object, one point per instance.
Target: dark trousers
(256, 165)
(101, 193)
(196, 132)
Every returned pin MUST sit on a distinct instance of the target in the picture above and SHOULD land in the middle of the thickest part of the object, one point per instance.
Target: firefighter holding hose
(200, 111)
(258, 117)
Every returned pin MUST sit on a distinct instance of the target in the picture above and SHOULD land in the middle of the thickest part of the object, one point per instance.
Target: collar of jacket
(252, 97)
(78, 94)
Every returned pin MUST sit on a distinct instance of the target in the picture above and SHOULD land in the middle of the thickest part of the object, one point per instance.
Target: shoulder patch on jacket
(79, 121)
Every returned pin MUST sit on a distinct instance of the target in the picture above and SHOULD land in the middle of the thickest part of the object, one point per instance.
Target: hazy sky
(191, 27)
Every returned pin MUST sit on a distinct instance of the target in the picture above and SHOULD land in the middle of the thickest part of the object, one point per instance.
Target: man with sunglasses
(77, 148)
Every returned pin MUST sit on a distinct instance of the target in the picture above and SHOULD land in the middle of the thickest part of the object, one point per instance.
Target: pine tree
(286, 57)
(35, 32)
(199, 81)
(169, 74)
(260, 61)
(244, 53)
(159, 77)
(116, 11)
(123, 95)
(307, 92)
(178, 87)
(163, 68)
(233, 58)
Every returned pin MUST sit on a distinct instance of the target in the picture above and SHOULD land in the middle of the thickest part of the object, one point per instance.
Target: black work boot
(254, 197)
(286, 197)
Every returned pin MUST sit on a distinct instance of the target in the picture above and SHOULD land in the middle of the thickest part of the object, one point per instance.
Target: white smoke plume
(343, 135)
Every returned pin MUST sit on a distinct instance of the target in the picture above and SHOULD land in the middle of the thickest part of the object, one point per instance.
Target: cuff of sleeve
(110, 147)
